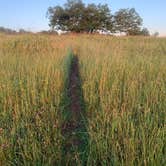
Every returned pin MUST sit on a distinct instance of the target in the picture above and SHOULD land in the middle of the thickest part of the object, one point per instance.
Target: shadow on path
(74, 126)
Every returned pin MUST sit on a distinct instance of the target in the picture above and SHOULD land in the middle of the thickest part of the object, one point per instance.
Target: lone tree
(156, 34)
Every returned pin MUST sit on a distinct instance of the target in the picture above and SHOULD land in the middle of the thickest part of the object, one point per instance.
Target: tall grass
(124, 85)
(124, 89)
(31, 86)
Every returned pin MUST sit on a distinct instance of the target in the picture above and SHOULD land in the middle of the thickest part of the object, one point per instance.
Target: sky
(31, 14)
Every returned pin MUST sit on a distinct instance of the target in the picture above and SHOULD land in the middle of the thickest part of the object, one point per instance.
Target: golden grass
(31, 86)
(124, 88)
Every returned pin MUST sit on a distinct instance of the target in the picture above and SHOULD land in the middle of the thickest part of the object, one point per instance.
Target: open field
(121, 93)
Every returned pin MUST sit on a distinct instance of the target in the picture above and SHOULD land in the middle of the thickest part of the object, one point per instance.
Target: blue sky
(31, 14)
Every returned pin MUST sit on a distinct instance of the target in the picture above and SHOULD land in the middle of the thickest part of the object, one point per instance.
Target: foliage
(145, 32)
(7, 30)
(128, 21)
(156, 34)
(75, 16)
(11, 31)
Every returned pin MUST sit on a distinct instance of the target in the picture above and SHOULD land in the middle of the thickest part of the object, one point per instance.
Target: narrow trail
(74, 127)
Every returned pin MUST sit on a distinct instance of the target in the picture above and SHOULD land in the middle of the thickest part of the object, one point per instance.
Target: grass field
(124, 86)
(123, 82)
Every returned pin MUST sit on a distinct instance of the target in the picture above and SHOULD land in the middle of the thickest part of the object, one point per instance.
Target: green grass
(31, 85)
(123, 84)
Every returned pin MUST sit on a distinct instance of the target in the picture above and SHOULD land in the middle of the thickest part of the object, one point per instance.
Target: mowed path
(74, 127)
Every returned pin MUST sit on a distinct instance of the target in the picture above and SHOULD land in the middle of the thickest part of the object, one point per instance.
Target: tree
(156, 34)
(23, 31)
(68, 17)
(128, 21)
(75, 16)
(58, 17)
(75, 10)
(7, 30)
(145, 32)
(105, 17)
(90, 18)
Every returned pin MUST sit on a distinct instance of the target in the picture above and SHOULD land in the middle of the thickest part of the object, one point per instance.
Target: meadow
(123, 83)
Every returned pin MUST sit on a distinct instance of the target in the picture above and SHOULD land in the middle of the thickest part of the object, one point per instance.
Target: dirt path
(74, 84)
(74, 126)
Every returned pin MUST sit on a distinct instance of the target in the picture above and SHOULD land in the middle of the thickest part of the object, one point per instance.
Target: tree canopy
(128, 21)
(75, 16)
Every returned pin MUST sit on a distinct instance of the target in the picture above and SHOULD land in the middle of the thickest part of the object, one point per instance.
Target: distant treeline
(22, 31)
(75, 16)
(11, 31)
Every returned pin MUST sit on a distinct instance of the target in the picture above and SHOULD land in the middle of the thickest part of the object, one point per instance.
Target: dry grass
(124, 88)
(31, 86)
